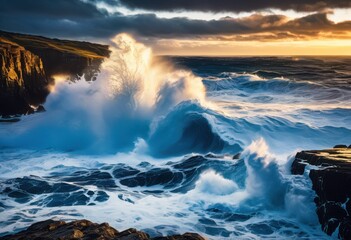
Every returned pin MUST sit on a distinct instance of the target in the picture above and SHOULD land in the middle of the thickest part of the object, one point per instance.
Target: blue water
(217, 164)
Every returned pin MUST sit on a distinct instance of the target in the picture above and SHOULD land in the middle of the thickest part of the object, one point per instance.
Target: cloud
(75, 9)
(78, 19)
(234, 5)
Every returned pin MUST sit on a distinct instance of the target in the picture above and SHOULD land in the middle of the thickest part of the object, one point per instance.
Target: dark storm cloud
(235, 5)
(78, 19)
(68, 8)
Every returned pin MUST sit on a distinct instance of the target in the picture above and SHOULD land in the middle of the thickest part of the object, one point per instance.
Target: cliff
(86, 230)
(23, 81)
(331, 180)
(28, 64)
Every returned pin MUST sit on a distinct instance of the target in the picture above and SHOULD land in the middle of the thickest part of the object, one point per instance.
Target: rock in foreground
(86, 230)
(331, 180)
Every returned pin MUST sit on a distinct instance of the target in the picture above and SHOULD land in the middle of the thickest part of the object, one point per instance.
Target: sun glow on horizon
(231, 48)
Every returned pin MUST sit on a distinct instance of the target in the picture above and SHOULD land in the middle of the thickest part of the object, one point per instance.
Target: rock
(86, 230)
(331, 181)
(132, 234)
(236, 156)
(340, 146)
(345, 229)
(29, 63)
(40, 108)
(23, 81)
(185, 236)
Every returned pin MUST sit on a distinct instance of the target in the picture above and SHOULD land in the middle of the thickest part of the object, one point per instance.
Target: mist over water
(109, 115)
(132, 148)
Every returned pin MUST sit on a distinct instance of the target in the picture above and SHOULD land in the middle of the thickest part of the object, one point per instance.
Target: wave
(188, 128)
(249, 197)
(110, 114)
(245, 84)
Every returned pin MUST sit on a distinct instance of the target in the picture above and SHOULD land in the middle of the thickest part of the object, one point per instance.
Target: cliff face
(331, 180)
(28, 64)
(23, 81)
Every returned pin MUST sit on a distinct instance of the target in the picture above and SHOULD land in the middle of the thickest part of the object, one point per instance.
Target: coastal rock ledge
(86, 230)
(330, 173)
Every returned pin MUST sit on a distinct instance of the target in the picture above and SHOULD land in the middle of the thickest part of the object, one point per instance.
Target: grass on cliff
(38, 43)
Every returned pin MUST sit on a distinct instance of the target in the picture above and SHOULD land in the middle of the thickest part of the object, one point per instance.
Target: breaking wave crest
(110, 114)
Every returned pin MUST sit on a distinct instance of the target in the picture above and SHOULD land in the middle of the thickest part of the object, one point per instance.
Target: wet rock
(236, 156)
(330, 214)
(340, 146)
(331, 180)
(185, 236)
(40, 108)
(132, 234)
(345, 229)
(86, 230)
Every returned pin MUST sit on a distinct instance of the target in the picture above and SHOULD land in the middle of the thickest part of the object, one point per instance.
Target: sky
(192, 27)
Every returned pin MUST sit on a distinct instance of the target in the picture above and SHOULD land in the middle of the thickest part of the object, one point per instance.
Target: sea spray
(145, 82)
(110, 114)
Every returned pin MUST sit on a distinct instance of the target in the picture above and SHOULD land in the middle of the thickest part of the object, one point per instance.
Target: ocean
(178, 144)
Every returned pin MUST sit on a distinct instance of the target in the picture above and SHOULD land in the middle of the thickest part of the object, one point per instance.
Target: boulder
(86, 230)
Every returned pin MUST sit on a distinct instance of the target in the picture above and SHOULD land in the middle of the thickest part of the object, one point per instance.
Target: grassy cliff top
(38, 43)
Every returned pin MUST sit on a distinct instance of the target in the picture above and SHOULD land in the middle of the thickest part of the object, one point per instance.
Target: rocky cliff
(331, 180)
(86, 230)
(23, 81)
(28, 64)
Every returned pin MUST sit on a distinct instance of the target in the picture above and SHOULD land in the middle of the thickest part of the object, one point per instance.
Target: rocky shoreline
(86, 230)
(330, 173)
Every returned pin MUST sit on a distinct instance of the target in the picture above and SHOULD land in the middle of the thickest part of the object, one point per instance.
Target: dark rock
(298, 167)
(211, 155)
(132, 234)
(185, 236)
(331, 181)
(51, 229)
(236, 156)
(348, 207)
(23, 81)
(330, 214)
(345, 229)
(40, 108)
(340, 146)
(86, 230)
(330, 225)
(28, 64)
